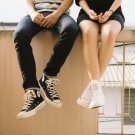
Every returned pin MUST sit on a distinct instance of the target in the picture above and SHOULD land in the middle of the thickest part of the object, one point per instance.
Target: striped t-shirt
(46, 5)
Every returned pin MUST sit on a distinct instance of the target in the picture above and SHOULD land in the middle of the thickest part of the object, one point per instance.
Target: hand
(93, 15)
(104, 17)
(50, 20)
(37, 17)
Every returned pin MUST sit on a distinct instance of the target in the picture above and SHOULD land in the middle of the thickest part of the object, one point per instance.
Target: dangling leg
(90, 50)
(109, 33)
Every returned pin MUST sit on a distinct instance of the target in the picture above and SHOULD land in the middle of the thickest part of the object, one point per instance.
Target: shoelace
(87, 94)
(29, 97)
(94, 90)
(51, 82)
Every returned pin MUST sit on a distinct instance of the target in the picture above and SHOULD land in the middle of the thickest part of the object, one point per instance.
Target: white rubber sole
(23, 115)
(81, 103)
(97, 104)
(56, 105)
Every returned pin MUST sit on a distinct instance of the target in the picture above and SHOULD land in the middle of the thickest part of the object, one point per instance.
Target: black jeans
(26, 30)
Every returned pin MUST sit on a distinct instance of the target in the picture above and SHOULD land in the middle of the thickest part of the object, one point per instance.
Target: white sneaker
(48, 86)
(97, 99)
(85, 98)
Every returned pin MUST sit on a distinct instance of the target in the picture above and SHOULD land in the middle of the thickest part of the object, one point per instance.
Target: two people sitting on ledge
(104, 16)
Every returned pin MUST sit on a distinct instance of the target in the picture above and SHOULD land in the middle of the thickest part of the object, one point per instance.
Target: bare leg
(109, 33)
(90, 50)
(92, 95)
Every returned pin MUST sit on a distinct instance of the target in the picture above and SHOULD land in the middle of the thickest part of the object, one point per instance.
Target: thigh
(27, 27)
(117, 17)
(67, 23)
(111, 27)
(88, 26)
(110, 30)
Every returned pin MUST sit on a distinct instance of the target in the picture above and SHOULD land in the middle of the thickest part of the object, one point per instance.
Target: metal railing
(120, 116)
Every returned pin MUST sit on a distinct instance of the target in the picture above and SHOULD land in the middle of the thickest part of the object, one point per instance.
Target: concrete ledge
(127, 35)
(69, 120)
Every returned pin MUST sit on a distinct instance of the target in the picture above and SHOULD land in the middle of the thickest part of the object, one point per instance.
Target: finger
(37, 21)
(104, 16)
(43, 23)
(50, 25)
(40, 17)
(100, 21)
(47, 24)
(101, 14)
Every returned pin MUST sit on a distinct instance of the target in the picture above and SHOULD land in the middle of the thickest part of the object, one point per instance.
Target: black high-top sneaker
(47, 84)
(33, 102)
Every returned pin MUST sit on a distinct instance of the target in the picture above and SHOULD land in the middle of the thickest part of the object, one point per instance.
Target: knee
(111, 34)
(20, 37)
(71, 29)
(89, 33)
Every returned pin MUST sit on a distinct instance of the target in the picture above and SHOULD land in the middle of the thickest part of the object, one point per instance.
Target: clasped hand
(47, 21)
(101, 17)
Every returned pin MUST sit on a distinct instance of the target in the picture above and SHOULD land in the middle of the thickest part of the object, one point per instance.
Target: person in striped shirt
(43, 15)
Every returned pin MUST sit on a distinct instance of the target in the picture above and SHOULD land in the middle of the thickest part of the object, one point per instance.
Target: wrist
(89, 11)
(59, 11)
(32, 12)
(111, 11)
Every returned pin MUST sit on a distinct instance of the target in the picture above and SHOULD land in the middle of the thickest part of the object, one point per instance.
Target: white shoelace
(86, 96)
(29, 96)
(51, 82)
(94, 88)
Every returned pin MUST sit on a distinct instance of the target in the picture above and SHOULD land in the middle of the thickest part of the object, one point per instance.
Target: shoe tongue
(48, 76)
(34, 89)
(95, 82)
(31, 91)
